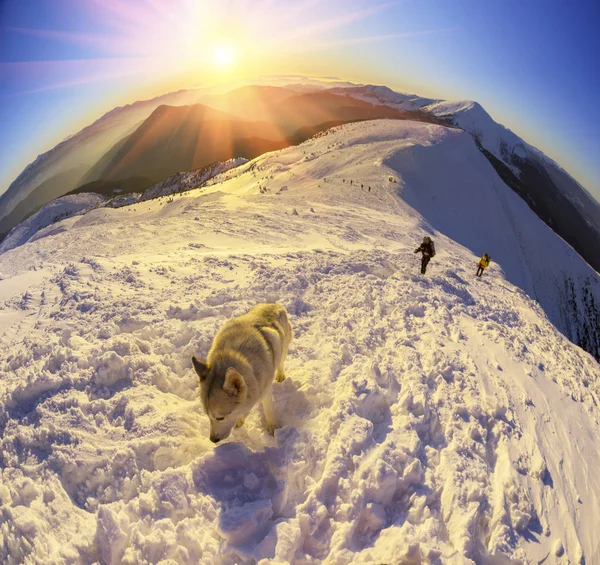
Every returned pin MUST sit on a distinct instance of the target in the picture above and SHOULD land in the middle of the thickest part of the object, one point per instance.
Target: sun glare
(170, 43)
(223, 56)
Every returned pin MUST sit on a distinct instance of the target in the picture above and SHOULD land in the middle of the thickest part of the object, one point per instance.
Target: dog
(246, 355)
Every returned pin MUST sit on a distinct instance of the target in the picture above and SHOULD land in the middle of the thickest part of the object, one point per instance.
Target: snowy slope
(68, 206)
(436, 419)
(471, 117)
(63, 207)
(190, 179)
(556, 197)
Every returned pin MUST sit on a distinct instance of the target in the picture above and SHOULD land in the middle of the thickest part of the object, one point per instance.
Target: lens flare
(223, 56)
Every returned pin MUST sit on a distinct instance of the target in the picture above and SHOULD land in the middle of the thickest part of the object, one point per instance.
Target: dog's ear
(201, 368)
(234, 383)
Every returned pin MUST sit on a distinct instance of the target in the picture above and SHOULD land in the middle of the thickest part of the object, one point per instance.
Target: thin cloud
(338, 22)
(104, 43)
(375, 38)
(60, 35)
(74, 72)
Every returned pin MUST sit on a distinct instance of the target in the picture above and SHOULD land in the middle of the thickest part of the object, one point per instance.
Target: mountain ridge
(186, 137)
(522, 159)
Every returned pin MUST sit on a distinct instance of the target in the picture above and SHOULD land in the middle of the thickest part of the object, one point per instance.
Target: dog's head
(223, 394)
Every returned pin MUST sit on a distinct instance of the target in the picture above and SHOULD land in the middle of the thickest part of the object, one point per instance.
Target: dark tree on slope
(582, 316)
(591, 326)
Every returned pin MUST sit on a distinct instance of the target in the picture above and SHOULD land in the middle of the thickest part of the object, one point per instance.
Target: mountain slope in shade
(78, 153)
(182, 138)
(94, 173)
(112, 188)
(424, 419)
(53, 187)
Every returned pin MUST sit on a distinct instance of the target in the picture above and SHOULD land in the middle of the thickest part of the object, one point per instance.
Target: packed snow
(425, 419)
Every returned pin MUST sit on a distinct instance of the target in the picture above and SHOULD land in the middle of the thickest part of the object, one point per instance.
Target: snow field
(437, 419)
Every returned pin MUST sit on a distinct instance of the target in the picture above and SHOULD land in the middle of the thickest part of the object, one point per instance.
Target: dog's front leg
(269, 408)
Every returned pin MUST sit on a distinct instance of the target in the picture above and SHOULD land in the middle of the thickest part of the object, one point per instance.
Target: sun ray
(202, 42)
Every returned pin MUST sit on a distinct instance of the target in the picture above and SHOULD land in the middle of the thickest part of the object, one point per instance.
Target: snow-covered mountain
(425, 419)
(59, 209)
(555, 196)
(382, 95)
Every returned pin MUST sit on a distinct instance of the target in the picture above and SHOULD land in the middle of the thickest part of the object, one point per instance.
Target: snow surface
(58, 209)
(425, 419)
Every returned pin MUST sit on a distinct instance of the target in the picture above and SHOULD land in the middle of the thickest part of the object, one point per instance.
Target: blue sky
(533, 64)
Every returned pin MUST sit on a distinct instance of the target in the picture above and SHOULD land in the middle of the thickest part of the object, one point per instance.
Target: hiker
(483, 264)
(428, 250)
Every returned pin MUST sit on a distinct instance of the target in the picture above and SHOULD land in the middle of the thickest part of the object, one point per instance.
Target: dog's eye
(221, 418)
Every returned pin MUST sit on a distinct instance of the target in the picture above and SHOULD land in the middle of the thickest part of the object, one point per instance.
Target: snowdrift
(435, 419)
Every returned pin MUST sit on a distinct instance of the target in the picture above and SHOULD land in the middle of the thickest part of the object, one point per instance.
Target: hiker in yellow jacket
(483, 264)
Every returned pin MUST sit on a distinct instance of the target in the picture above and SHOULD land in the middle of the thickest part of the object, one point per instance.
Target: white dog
(246, 355)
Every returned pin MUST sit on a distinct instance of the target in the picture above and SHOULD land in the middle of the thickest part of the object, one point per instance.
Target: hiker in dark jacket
(428, 250)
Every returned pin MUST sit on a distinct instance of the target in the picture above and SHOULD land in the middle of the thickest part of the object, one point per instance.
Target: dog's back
(261, 337)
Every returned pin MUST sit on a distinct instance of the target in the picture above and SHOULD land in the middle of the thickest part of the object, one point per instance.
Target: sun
(223, 56)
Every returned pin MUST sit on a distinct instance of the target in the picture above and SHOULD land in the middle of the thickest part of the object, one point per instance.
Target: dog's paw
(280, 377)
(240, 422)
